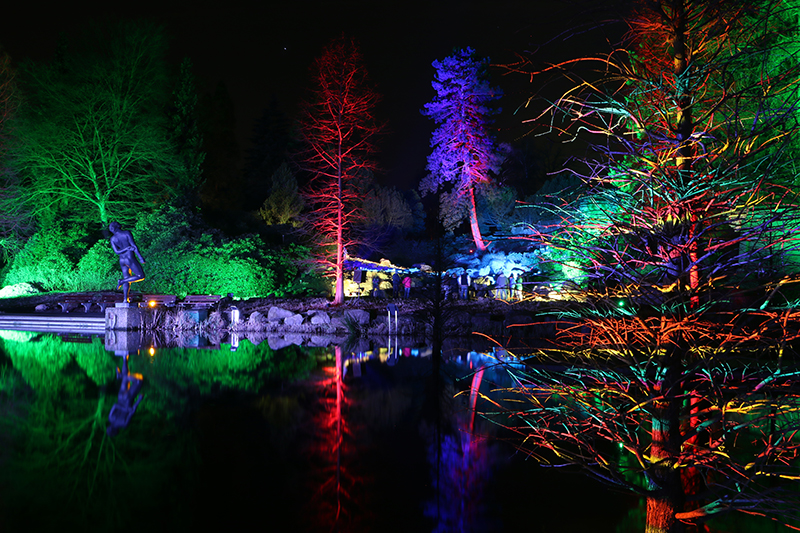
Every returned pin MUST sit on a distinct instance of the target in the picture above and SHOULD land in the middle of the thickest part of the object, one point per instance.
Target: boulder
(320, 317)
(277, 313)
(255, 322)
(359, 315)
(293, 320)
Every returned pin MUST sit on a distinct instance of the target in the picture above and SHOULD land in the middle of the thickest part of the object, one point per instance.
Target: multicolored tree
(339, 128)
(674, 378)
(464, 153)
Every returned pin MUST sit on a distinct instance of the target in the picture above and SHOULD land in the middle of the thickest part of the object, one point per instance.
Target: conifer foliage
(464, 152)
(338, 128)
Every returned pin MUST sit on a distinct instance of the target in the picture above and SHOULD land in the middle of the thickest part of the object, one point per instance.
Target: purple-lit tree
(338, 128)
(464, 153)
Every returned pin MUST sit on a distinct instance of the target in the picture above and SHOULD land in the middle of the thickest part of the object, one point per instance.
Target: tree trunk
(480, 246)
(666, 495)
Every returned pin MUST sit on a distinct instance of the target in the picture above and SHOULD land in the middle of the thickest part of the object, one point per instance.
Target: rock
(320, 317)
(277, 313)
(293, 320)
(338, 323)
(359, 315)
(41, 307)
(256, 322)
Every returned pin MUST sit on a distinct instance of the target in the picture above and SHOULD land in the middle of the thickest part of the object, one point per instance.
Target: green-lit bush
(181, 257)
(182, 260)
(47, 260)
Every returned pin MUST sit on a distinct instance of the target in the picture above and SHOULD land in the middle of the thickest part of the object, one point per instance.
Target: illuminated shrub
(45, 260)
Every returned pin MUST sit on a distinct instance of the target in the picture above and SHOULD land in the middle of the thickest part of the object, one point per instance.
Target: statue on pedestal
(124, 246)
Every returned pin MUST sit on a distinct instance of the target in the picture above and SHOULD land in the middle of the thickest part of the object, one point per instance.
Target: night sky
(265, 51)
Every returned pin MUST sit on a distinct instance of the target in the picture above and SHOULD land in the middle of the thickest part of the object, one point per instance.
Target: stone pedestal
(123, 318)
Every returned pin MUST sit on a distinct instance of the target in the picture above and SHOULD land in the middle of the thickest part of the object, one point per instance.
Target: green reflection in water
(60, 471)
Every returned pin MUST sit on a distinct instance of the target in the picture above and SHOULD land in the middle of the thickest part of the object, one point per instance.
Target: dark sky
(266, 50)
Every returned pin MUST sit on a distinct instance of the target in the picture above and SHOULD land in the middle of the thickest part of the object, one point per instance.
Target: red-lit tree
(464, 154)
(686, 220)
(339, 129)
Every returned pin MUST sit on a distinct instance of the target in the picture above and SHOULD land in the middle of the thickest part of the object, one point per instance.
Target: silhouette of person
(124, 246)
(122, 411)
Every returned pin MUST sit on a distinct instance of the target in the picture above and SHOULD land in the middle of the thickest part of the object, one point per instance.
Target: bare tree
(339, 130)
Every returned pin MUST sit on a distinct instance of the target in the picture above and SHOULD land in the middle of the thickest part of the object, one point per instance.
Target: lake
(378, 436)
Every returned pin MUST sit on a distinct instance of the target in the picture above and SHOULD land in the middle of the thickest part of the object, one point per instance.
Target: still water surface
(378, 437)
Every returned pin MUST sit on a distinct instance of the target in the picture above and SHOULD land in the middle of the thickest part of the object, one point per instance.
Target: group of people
(398, 284)
(502, 288)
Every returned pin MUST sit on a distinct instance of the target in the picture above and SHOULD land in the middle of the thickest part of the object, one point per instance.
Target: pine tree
(184, 130)
(464, 153)
(283, 204)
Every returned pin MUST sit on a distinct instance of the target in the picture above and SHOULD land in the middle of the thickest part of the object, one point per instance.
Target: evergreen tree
(222, 188)
(464, 153)
(184, 130)
(270, 146)
(284, 204)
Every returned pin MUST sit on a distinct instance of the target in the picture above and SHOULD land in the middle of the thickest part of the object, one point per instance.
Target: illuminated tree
(463, 154)
(92, 133)
(284, 204)
(338, 129)
(685, 237)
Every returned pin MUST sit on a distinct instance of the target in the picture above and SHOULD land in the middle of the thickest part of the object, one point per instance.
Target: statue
(123, 245)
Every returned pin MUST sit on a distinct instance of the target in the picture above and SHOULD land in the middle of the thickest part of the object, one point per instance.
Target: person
(518, 287)
(501, 288)
(124, 246)
(407, 287)
(376, 286)
(396, 285)
(463, 285)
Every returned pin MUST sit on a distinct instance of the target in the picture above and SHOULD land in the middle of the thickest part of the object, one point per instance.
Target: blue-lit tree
(464, 153)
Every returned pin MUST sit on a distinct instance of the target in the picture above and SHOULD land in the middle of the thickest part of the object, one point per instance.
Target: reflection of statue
(122, 411)
(123, 245)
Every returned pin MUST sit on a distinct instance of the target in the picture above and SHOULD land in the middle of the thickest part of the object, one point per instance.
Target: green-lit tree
(675, 378)
(92, 134)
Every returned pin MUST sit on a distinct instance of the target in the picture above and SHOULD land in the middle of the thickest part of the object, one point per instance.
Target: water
(296, 439)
